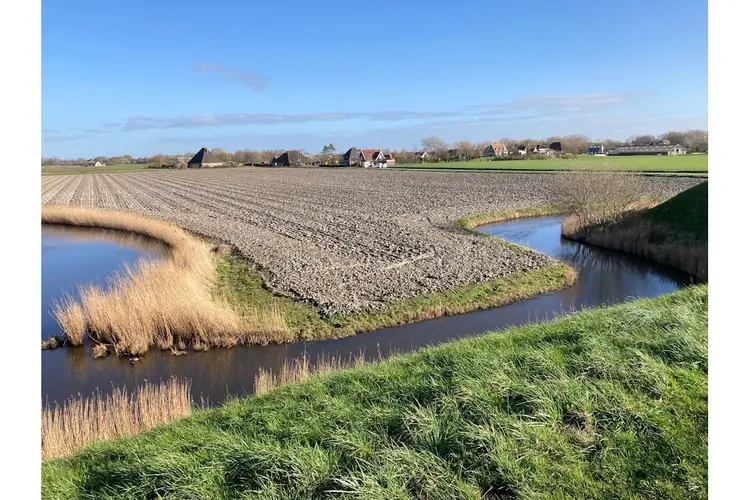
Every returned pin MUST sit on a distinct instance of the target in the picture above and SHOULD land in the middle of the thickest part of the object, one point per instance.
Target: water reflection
(605, 277)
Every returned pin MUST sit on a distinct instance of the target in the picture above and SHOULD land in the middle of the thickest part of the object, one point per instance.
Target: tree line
(437, 149)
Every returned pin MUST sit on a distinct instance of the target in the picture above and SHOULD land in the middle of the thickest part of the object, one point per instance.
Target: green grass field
(685, 163)
(686, 214)
(69, 169)
(608, 403)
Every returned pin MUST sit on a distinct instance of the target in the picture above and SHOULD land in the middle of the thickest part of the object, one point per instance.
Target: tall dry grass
(158, 304)
(299, 370)
(82, 421)
(644, 238)
(72, 320)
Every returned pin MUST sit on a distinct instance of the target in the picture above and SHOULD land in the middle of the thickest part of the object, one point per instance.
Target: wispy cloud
(63, 137)
(527, 108)
(254, 81)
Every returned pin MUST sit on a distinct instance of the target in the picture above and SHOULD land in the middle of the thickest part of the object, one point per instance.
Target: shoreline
(234, 293)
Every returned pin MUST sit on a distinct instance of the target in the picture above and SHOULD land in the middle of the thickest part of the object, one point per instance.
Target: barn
(204, 158)
(651, 150)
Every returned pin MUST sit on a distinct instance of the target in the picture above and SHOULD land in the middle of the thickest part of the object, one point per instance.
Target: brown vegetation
(82, 421)
(159, 304)
(639, 236)
(607, 210)
(71, 318)
(603, 197)
(299, 370)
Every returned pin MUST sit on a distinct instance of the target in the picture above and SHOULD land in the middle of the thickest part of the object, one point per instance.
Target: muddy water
(605, 277)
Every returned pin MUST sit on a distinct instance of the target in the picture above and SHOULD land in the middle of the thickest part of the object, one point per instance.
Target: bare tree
(436, 147)
(642, 140)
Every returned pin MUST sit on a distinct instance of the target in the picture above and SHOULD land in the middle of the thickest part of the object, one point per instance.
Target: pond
(79, 256)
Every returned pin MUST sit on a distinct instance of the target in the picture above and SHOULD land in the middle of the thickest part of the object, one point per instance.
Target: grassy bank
(242, 287)
(684, 163)
(609, 403)
(199, 299)
(674, 232)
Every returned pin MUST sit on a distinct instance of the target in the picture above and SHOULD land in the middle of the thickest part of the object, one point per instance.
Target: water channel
(72, 256)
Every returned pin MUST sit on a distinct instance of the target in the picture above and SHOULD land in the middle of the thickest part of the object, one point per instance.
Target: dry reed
(159, 304)
(606, 208)
(71, 318)
(81, 421)
(299, 370)
(638, 236)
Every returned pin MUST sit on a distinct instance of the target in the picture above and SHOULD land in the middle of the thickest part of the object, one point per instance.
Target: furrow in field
(321, 235)
(55, 194)
(351, 232)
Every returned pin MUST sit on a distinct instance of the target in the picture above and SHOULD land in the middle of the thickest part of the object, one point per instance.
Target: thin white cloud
(254, 81)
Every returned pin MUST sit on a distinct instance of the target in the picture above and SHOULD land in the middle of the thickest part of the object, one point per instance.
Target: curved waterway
(76, 256)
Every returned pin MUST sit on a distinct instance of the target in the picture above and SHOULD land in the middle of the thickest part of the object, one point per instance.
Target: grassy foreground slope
(609, 403)
(684, 163)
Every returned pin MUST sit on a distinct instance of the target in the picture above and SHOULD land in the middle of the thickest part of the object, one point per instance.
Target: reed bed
(157, 304)
(72, 319)
(644, 238)
(81, 421)
(299, 370)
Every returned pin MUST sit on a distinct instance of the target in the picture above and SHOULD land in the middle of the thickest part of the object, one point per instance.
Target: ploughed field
(346, 240)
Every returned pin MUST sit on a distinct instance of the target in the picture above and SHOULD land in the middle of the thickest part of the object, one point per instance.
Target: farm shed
(204, 158)
(652, 150)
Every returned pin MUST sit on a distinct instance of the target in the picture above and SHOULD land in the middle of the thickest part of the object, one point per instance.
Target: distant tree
(466, 149)
(239, 156)
(576, 144)
(642, 140)
(435, 147)
(222, 155)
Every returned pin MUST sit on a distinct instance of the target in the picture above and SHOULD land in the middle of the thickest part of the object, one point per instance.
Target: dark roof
(351, 152)
(557, 146)
(661, 148)
(204, 156)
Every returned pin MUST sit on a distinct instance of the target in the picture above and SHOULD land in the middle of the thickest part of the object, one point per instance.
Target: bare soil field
(345, 240)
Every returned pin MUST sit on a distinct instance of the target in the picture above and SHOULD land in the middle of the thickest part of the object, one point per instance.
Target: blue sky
(142, 78)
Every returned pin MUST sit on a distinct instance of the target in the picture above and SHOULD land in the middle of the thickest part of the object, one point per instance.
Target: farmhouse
(652, 150)
(372, 158)
(204, 158)
(351, 157)
(93, 163)
(556, 146)
(496, 149)
(289, 159)
(420, 156)
(522, 150)
(390, 159)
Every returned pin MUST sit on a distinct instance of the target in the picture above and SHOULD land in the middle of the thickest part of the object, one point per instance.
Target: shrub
(598, 197)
